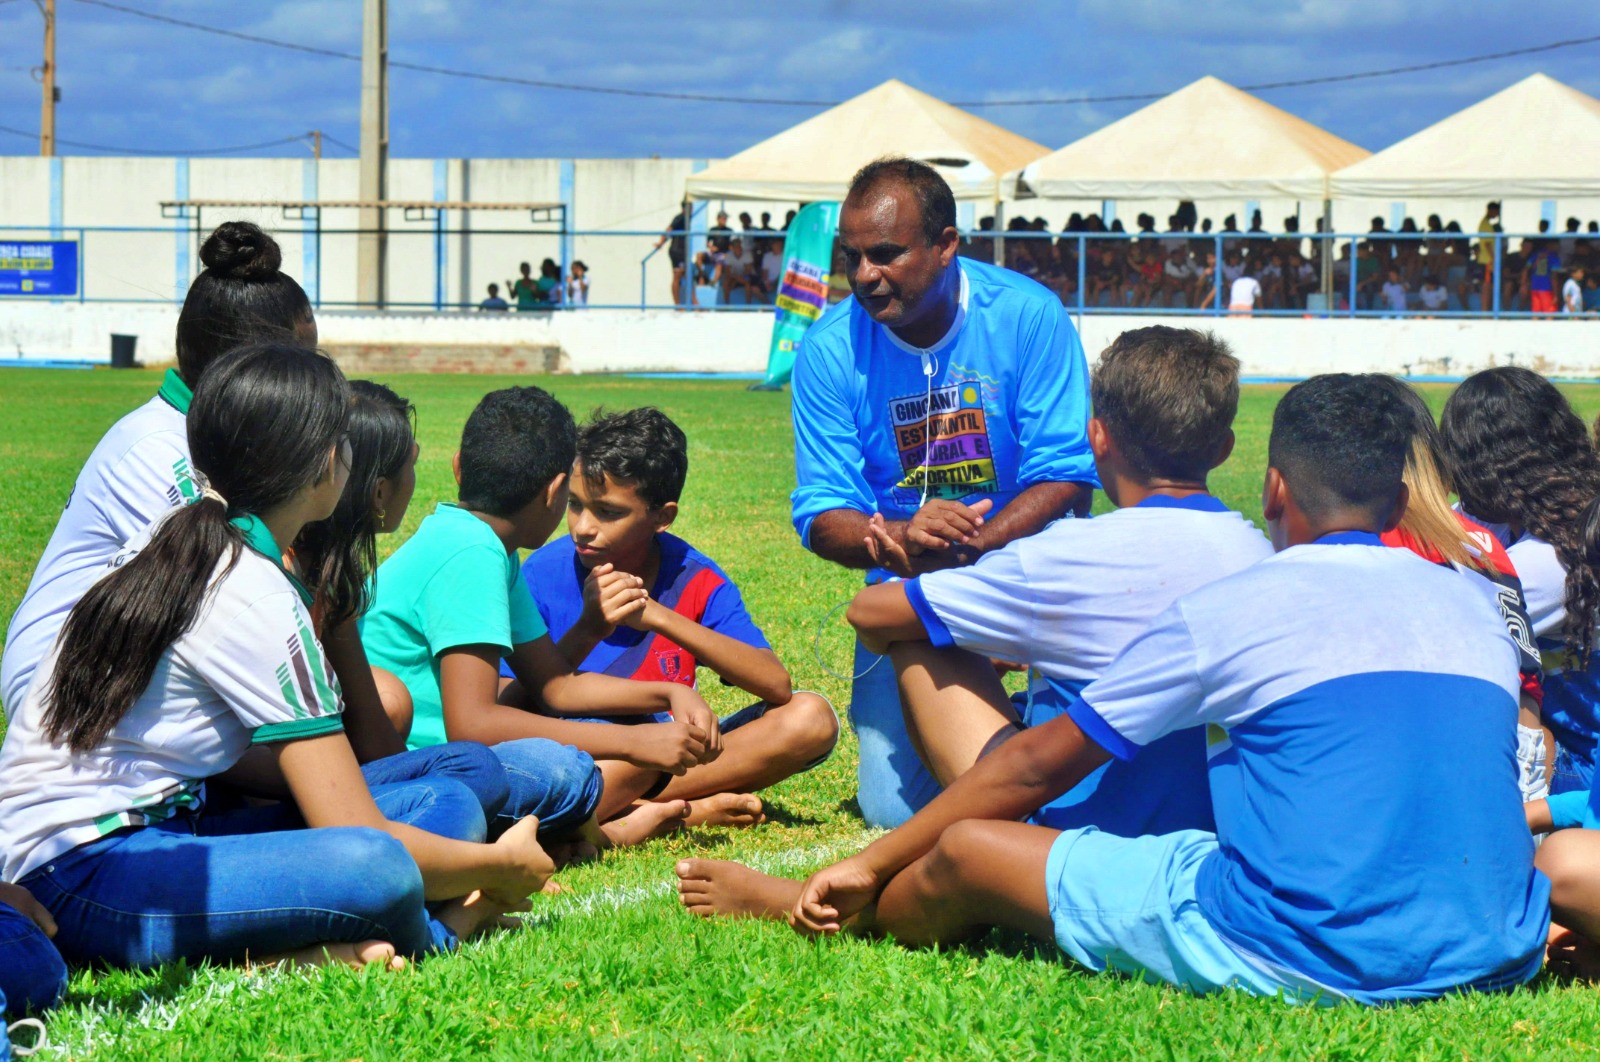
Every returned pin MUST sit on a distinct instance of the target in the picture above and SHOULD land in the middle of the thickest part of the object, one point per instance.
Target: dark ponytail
(261, 426)
(240, 297)
(338, 555)
(1519, 454)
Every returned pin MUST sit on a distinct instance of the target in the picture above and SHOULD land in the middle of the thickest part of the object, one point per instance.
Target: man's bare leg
(955, 706)
(980, 874)
(717, 887)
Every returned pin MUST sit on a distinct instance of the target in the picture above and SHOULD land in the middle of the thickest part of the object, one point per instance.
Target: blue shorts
(1128, 905)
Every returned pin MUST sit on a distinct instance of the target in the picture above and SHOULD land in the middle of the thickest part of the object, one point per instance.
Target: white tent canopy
(816, 159)
(1208, 140)
(1537, 139)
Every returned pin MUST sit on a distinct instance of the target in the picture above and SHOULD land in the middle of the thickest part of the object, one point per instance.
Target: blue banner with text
(48, 268)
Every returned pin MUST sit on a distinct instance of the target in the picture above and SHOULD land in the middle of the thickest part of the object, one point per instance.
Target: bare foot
(354, 955)
(725, 809)
(1571, 955)
(647, 820)
(712, 887)
(477, 913)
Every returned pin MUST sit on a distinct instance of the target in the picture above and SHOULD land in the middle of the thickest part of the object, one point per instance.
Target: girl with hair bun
(141, 467)
(194, 646)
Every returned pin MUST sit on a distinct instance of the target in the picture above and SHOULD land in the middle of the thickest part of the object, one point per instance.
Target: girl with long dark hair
(141, 467)
(1523, 465)
(195, 645)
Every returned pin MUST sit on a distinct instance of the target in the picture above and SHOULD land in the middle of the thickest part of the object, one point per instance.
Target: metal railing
(439, 267)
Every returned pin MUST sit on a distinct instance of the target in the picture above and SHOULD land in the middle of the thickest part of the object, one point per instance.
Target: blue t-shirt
(688, 582)
(1066, 601)
(1006, 406)
(1360, 708)
(1542, 268)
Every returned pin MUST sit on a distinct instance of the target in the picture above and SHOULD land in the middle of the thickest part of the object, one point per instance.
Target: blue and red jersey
(688, 582)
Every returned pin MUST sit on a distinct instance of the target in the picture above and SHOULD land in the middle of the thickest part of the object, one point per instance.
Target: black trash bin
(122, 348)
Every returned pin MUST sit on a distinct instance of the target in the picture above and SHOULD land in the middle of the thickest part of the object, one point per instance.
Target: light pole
(371, 248)
(47, 78)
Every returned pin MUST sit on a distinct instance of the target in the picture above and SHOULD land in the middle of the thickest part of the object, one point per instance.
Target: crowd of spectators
(742, 266)
(549, 290)
(1435, 269)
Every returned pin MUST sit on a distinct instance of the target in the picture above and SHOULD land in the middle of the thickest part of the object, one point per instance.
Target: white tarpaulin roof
(816, 159)
(1208, 140)
(1537, 139)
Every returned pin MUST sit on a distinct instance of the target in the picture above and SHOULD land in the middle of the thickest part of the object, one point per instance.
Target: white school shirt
(1360, 708)
(1068, 599)
(138, 471)
(1572, 296)
(248, 671)
(1434, 298)
(1244, 292)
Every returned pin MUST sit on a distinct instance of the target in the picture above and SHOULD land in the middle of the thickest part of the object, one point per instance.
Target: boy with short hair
(1068, 599)
(451, 603)
(1316, 674)
(624, 597)
(1572, 290)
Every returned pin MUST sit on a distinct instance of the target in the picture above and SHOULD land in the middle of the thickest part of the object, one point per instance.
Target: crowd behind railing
(1435, 268)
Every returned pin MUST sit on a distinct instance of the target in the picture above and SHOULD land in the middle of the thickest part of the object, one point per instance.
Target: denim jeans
(892, 783)
(558, 783)
(32, 975)
(468, 762)
(252, 882)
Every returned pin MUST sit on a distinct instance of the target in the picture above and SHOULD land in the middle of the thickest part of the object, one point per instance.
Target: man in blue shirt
(947, 402)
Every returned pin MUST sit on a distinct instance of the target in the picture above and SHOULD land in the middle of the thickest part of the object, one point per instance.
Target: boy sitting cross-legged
(623, 596)
(1067, 600)
(451, 603)
(1317, 675)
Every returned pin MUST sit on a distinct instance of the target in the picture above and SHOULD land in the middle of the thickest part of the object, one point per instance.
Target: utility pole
(371, 245)
(316, 144)
(47, 117)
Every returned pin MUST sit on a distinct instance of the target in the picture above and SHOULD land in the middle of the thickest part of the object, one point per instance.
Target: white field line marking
(615, 898)
(83, 1030)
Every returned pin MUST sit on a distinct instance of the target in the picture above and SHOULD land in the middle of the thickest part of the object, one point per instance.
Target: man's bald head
(935, 202)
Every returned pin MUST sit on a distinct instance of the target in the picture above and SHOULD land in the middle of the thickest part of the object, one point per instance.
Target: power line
(696, 97)
(179, 152)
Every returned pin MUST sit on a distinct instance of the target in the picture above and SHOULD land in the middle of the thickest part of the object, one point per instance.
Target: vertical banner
(803, 290)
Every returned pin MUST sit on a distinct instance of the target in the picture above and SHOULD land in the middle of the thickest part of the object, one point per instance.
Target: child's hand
(619, 596)
(833, 895)
(689, 707)
(610, 598)
(525, 865)
(671, 747)
(22, 901)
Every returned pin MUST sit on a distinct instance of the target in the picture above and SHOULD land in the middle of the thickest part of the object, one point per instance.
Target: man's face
(891, 265)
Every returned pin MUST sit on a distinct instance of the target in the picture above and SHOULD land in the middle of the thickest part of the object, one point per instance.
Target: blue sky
(128, 81)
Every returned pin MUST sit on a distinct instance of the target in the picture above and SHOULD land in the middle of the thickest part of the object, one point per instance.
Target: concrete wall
(664, 340)
(619, 195)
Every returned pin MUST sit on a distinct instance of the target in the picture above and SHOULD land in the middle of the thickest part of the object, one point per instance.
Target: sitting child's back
(1360, 707)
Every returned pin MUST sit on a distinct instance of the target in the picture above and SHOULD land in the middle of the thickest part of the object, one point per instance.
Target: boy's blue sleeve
(725, 613)
(1151, 689)
(1051, 403)
(829, 465)
(1571, 809)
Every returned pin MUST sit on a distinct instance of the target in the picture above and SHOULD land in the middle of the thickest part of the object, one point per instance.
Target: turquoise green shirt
(452, 584)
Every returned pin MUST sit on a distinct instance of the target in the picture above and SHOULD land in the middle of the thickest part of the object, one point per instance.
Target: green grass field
(614, 967)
